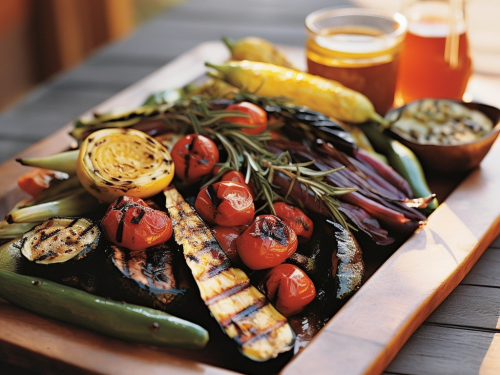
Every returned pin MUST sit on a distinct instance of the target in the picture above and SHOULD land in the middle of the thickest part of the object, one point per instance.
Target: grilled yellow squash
(242, 311)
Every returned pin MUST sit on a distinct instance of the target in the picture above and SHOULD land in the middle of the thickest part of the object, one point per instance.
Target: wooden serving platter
(362, 338)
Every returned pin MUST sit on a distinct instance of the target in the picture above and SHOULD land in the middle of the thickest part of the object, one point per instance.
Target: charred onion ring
(118, 162)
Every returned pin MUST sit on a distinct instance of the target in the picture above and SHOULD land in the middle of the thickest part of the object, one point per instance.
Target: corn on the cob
(320, 94)
(244, 313)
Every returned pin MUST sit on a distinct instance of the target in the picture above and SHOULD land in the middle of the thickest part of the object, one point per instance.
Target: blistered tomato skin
(131, 223)
(194, 156)
(289, 288)
(226, 203)
(267, 242)
(296, 219)
(237, 176)
(257, 120)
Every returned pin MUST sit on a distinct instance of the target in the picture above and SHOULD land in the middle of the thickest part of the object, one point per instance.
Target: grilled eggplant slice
(348, 266)
(242, 311)
(150, 276)
(60, 239)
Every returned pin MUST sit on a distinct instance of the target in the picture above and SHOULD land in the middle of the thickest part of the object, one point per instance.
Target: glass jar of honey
(435, 61)
(359, 48)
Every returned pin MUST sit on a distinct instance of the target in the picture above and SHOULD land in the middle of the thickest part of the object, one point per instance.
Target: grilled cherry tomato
(237, 176)
(257, 120)
(226, 237)
(131, 223)
(194, 156)
(289, 288)
(296, 219)
(226, 203)
(267, 242)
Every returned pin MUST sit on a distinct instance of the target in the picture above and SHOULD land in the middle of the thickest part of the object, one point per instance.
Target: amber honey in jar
(435, 61)
(359, 48)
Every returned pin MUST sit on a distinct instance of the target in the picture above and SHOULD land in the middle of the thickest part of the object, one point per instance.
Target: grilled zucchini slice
(60, 239)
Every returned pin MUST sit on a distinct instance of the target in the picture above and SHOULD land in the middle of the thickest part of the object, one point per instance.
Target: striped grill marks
(241, 309)
(151, 271)
(60, 239)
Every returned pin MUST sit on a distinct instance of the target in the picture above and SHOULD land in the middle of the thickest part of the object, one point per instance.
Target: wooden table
(460, 337)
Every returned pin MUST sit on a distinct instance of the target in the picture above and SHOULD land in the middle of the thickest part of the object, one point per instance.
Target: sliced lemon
(118, 162)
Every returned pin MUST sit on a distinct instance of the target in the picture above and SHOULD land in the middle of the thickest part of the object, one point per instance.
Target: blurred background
(60, 58)
(39, 38)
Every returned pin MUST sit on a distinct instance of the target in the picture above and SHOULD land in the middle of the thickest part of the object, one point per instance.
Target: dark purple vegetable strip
(306, 198)
(385, 171)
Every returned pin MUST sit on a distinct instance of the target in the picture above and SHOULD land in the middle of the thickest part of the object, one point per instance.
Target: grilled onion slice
(60, 239)
(117, 162)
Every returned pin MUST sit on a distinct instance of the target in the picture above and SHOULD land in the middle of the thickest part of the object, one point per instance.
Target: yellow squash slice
(241, 310)
(117, 162)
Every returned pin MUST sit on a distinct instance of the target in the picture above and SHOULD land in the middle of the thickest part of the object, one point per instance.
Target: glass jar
(435, 61)
(359, 48)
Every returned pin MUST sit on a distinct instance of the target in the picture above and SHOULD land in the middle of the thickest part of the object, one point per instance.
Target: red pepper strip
(385, 171)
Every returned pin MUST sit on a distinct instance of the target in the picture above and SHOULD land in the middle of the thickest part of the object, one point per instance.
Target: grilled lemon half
(117, 162)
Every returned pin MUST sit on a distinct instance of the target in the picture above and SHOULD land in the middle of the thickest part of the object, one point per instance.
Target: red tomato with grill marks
(289, 288)
(296, 219)
(131, 223)
(256, 120)
(226, 203)
(194, 156)
(226, 237)
(267, 242)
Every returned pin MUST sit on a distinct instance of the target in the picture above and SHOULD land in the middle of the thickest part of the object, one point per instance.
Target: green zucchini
(59, 239)
(120, 320)
(404, 161)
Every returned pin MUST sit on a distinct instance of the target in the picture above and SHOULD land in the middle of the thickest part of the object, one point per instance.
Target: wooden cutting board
(363, 336)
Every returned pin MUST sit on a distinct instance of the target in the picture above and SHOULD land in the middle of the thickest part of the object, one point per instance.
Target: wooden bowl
(450, 159)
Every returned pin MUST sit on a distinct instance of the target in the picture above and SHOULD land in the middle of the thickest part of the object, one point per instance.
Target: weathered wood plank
(496, 243)
(436, 350)
(472, 307)
(485, 272)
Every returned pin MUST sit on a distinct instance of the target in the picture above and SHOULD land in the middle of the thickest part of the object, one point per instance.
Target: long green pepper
(120, 320)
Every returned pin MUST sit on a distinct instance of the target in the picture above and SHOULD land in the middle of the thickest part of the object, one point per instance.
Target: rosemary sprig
(243, 151)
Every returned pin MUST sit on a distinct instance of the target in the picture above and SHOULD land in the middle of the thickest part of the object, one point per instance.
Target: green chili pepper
(120, 320)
